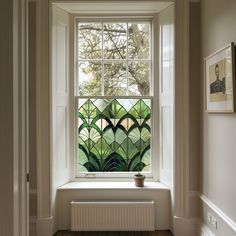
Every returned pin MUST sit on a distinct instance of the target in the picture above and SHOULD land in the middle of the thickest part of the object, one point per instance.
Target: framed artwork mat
(220, 81)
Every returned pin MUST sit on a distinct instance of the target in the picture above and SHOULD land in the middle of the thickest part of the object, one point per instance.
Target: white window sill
(112, 186)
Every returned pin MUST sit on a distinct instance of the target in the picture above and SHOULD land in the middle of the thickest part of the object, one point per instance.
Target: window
(114, 100)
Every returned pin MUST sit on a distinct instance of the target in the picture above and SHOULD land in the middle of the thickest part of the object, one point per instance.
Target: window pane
(90, 40)
(115, 82)
(139, 78)
(89, 81)
(114, 40)
(114, 135)
(138, 40)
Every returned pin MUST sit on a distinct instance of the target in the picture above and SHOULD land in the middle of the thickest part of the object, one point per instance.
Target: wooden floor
(157, 233)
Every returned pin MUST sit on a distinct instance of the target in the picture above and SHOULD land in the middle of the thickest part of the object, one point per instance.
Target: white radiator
(112, 216)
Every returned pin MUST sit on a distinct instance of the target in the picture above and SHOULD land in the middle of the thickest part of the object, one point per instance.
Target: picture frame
(220, 81)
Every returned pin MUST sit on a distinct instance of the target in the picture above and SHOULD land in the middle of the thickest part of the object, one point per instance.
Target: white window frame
(153, 175)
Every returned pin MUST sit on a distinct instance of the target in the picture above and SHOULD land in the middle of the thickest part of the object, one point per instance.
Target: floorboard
(156, 233)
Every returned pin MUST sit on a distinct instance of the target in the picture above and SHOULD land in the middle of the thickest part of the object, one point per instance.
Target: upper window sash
(104, 64)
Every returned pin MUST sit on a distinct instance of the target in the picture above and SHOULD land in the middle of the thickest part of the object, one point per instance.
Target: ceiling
(116, 7)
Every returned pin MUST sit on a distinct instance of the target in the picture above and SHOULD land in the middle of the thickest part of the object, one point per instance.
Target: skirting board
(219, 212)
(186, 227)
(44, 226)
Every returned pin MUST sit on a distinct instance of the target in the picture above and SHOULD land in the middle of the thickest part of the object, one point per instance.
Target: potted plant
(139, 180)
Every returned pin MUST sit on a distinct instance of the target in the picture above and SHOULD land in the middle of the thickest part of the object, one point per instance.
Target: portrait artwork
(219, 80)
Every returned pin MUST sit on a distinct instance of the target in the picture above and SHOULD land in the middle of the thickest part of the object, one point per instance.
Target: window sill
(112, 186)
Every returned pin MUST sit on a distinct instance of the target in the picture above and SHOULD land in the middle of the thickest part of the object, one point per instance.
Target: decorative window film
(114, 135)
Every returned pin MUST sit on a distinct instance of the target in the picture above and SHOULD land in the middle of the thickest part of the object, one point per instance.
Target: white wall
(13, 207)
(6, 118)
(32, 109)
(194, 107)
(219, 130)
(32, 117)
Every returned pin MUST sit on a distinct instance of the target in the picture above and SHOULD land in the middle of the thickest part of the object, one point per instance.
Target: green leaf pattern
(114, 135)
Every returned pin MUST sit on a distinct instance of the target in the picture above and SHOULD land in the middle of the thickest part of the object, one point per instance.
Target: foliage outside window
(114, 102)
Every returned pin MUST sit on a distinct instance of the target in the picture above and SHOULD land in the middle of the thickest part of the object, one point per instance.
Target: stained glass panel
(114, 135)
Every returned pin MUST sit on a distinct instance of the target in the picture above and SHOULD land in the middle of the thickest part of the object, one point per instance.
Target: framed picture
(220, 81)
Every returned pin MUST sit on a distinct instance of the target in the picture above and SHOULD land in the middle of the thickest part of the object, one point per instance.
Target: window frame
(153, 175)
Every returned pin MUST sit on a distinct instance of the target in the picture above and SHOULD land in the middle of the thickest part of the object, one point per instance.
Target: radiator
(112, 216)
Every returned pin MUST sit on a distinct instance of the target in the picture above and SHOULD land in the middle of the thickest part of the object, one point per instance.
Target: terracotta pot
(139, 180)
